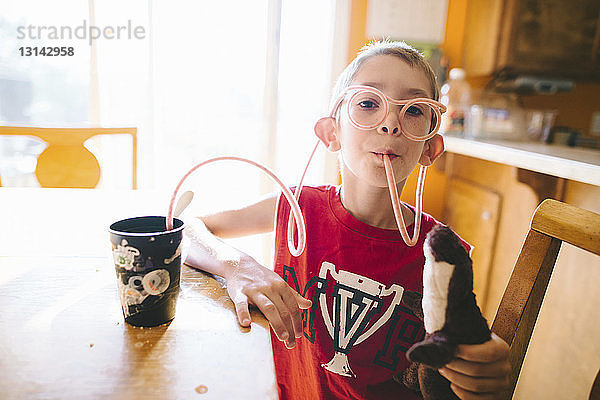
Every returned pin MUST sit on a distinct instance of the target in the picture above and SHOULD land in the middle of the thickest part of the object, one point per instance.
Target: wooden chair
(553, 222)
(66, 162)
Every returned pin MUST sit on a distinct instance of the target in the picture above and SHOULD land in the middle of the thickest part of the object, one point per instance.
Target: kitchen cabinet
(474, 212)
(546, 38)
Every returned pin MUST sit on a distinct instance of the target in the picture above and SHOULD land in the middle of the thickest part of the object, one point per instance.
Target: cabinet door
(473, 212)
(553, 38)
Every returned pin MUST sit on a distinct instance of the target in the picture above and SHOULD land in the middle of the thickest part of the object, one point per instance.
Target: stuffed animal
(449, 312)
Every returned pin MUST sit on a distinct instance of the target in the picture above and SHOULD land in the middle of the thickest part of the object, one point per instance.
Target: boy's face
(362, 150)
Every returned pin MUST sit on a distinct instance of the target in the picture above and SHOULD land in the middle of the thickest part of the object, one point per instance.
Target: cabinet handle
(486, 215)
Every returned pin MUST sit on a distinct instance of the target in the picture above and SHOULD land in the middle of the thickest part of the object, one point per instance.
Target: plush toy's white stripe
(436, 280)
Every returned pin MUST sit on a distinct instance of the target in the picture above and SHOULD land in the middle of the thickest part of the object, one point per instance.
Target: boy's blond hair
(407, 53)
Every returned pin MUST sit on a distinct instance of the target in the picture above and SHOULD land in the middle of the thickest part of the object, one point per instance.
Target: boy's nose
(390, 125)
(385, 129)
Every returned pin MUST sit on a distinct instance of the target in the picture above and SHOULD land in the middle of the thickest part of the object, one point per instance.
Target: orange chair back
(66, 162)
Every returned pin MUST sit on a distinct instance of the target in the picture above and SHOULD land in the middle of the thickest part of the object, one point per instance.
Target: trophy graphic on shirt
(356, 300)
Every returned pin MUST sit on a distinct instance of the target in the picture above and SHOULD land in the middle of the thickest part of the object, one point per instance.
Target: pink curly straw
(389, 173)
(296, 214)
(290, 226)
(295, 207)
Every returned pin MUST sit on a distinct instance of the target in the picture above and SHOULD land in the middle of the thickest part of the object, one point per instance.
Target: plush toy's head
(443, 246)
(449, 311)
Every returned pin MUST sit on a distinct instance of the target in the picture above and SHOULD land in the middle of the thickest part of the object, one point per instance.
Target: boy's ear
(433, 148)
(325, 130)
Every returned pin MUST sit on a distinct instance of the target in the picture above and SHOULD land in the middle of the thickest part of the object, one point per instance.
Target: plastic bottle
(456, 96)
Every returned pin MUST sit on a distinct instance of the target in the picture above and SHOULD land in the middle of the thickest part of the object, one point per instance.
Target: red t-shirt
(357, 331)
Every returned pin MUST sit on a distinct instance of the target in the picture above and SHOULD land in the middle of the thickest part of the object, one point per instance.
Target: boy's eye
(367, 104)
(414, 111)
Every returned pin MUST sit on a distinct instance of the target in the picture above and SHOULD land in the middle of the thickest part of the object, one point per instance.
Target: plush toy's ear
(325, 130)
(433, 148)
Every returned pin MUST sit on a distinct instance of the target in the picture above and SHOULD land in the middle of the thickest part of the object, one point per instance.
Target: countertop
(578, 164)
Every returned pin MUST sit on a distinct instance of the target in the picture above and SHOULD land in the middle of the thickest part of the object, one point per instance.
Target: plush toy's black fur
(464, 323)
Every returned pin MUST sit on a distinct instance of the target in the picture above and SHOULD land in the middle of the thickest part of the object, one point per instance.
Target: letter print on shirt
(356, 300)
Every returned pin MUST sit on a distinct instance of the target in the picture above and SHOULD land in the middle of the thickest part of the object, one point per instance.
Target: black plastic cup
(148, 265)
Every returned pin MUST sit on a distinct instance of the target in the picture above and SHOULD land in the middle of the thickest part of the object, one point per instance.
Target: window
(43, 91)
(206, 79)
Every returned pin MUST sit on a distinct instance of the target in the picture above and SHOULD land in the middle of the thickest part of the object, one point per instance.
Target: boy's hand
(251, 283)
(479, 371)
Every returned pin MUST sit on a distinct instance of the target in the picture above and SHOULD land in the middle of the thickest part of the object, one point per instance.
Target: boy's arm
(248, 282)
(209, 253)
(255, 218)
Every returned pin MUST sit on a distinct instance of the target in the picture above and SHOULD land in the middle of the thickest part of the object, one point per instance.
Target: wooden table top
(62, 333)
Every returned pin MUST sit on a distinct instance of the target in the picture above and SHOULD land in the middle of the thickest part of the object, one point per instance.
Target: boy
(356, 265)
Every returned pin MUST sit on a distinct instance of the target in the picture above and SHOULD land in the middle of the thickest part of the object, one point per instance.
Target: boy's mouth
(388, 153)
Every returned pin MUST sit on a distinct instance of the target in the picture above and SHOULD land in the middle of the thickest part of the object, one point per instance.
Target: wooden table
(62, 333)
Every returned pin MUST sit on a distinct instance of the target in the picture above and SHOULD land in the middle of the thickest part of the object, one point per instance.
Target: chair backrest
(553, 222)
(595, 392)
(66, 162)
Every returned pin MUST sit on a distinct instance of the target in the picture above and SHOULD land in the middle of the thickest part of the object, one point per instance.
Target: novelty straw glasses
(368, 107)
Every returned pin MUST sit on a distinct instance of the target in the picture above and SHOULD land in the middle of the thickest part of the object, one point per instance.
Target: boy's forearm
(209, 253)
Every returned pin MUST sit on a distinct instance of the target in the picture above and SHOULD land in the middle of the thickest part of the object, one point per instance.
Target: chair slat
(522, 299)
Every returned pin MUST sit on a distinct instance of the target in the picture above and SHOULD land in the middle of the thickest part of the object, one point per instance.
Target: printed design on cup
(132, 293)
(174, 256)
(124, 255)
(156, 282)
(139, 287)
